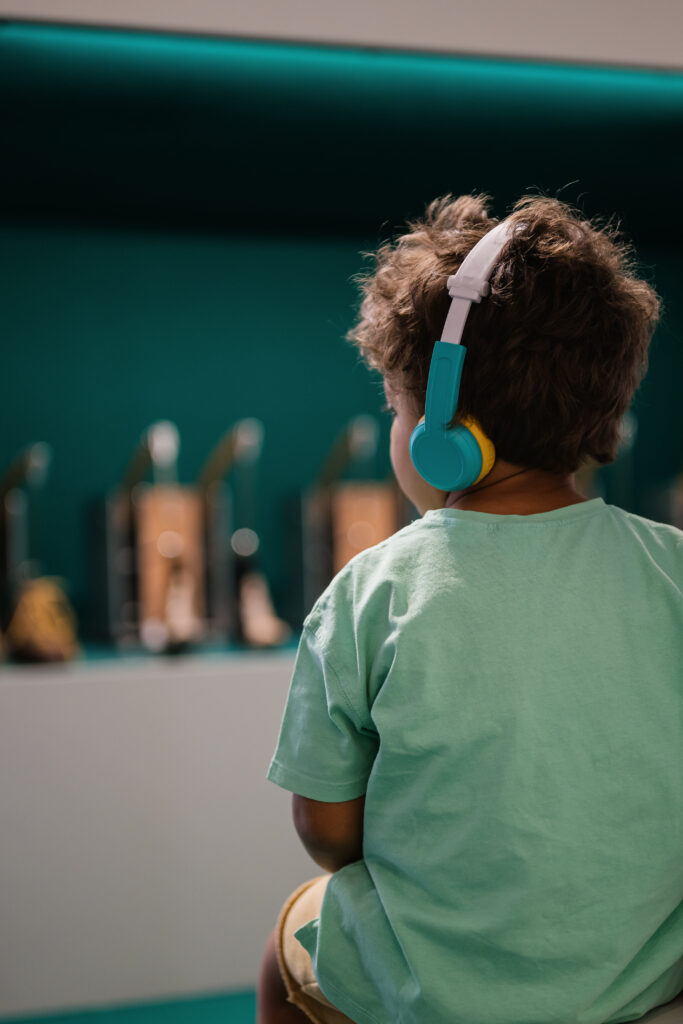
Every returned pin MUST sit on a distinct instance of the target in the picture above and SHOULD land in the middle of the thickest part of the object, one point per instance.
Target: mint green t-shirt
(507, 692)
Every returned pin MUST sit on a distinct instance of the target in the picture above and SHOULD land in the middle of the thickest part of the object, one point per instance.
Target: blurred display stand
(149, 546)
(170, 568)
(661, 502)
(665, 501)
(335, 519)
(37, 622)
(616, 480)
(256, 622)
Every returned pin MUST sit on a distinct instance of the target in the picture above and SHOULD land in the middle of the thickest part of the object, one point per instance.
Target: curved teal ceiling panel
(104, 124)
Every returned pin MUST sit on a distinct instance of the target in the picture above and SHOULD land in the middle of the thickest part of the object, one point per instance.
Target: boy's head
(556, 350)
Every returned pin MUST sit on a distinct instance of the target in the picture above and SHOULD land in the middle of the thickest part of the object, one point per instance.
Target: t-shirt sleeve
(324, 751)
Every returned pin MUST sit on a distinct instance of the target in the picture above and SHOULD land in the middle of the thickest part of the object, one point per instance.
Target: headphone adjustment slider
(473, 289)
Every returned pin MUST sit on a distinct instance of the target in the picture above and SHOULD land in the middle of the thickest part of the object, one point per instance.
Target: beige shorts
(295, 964)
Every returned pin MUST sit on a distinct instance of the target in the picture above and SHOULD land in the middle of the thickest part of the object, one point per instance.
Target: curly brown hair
(556, 350)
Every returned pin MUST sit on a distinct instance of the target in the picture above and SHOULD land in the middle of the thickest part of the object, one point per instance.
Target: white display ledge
(144, 853)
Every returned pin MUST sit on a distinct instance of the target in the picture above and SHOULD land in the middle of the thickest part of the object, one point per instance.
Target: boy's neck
(516, 490)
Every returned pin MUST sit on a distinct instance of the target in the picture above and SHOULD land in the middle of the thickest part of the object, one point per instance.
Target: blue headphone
(454, 459)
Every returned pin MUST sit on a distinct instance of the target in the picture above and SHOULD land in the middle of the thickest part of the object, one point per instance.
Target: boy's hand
(332, 833)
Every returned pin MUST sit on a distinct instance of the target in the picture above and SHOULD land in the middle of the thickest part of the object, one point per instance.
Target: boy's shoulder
(664, 533)
(398, 545)
(378, 565)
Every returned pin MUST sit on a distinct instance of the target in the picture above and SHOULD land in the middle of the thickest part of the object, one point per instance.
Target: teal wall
(109, 331)
(181, 219)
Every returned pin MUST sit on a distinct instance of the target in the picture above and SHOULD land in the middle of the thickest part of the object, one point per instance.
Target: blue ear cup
(451, 460)
(454, 459)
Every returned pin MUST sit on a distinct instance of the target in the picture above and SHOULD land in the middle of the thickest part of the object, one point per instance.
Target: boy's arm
(332, 833)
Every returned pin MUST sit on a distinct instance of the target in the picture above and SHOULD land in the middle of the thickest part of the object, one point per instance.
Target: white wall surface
(143, 853)
(626, 32)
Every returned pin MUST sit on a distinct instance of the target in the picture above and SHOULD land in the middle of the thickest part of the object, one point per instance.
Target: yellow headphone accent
(488, 451)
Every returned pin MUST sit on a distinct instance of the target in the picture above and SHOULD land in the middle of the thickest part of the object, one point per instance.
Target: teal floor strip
(231, 1008)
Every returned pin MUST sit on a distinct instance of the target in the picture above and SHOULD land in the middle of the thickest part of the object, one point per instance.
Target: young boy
(483, 731)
